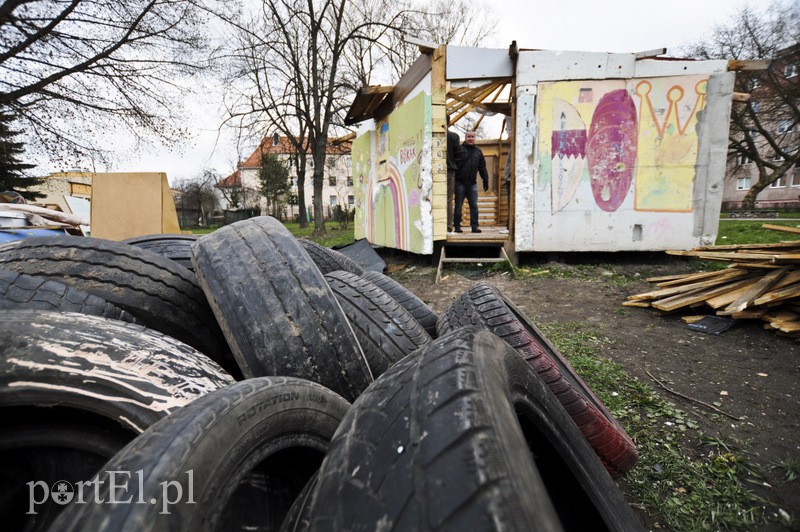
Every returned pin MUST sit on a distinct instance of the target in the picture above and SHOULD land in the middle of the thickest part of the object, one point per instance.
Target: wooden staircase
(502, 256)
(487, 210)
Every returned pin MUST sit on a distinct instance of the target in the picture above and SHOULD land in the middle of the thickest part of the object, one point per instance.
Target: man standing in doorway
(453, 147)
(470, 164)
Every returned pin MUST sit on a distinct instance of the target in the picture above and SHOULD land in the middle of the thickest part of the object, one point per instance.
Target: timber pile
(762, 282)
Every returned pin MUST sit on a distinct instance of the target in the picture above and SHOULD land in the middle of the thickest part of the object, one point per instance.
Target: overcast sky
(589, 25)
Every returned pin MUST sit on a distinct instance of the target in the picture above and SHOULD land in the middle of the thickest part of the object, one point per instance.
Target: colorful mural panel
(388, 171)
(618, 142)
(668, 114)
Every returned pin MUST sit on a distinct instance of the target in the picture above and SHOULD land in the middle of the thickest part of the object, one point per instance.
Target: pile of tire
(140, 394)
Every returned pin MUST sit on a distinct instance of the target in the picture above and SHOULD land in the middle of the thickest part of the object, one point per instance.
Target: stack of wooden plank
(762, 282)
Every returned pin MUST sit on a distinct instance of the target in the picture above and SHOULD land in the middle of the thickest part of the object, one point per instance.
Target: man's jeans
(470, 192)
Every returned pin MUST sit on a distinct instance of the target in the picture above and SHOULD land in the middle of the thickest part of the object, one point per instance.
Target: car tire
(175, 247)
(159, 293)
(384, 329)
(484, 305)
(424, 315)
(250, 449)
(276, 309)
(74, 390)
(329, 260)
(20, 291)
(464, 436)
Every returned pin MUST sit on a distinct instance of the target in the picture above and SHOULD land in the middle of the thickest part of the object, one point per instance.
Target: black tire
(329, 260)
(464, 436)
(20, 291)
(424, 315)
(175, 247)
(159, 293)
(486, 306)
(385, 330)
(265, 437)
(276, 309)
(74, 390)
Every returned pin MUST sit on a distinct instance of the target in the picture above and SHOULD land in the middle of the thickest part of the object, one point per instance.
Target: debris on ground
(762, 282)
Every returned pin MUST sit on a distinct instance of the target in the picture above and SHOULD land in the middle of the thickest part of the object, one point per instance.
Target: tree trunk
(318, 155)
(301, 191)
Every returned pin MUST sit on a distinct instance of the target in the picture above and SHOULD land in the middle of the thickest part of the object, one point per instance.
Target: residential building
(784, 129)
(240, 190)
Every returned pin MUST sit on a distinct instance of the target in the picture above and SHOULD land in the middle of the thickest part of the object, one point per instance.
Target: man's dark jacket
(470, 163)
(453, 147)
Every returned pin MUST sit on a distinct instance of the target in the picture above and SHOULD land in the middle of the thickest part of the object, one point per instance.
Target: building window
(276, 139)
(334, 201)
(790, 71)
(349, 181)
(348, 162)
(743, 159)
(743, 183)
(351, 200)
(796, 179)
(780, 183)
(332, 180)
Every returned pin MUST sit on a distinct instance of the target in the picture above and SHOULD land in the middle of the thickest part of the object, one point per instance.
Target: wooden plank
(729, 276)
(723, 256)
(748, 64)
(641, 304)
(773, 245)
(747, 298)
(749, 314)
(790, 327)
(648, 54)
(699, 296)
(741, 97)
(788, 258)
(693, 319)
(726, 299)
(377, 89)
(790, 278)
(781, 228)
(409, 80)
(788, 292)
(780, 316)
(691, 277)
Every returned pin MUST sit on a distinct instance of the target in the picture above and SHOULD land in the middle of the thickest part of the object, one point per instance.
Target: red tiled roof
(232, 181)
(285, 147)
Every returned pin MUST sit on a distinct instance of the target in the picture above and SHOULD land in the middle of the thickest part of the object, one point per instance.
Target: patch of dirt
(753, 373)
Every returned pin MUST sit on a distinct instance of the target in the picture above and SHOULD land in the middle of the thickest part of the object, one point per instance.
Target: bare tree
(454, 22)
(764, 129)
(68, 66)
(290, 74)
(197, 195)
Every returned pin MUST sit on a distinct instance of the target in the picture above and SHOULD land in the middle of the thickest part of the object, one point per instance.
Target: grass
(748, 232)
(789, 469)
(708, 491)
(586, 272)
(334, 235)
(781, 214)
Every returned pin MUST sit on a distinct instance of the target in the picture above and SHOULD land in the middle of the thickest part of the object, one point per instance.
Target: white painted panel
(465, 62)
(533, 67)
(650, 68)
(620, 66)
(424, 85)
(713, 131)
(525, 146)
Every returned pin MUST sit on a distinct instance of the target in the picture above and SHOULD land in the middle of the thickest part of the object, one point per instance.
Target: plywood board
(125, 205)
